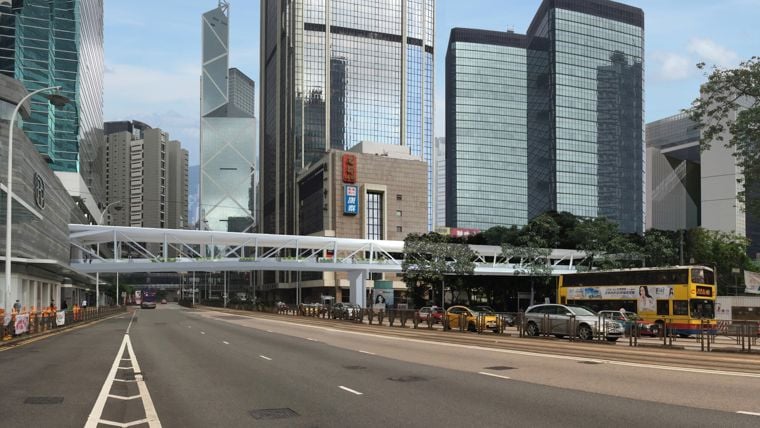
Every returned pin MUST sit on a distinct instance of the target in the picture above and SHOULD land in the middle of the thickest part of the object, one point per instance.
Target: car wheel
(585, 332)
(532, 329)
(612, 339)
(559, 336)
(471, 326)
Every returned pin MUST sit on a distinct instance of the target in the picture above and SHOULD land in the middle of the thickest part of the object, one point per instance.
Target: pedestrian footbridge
(118, 249)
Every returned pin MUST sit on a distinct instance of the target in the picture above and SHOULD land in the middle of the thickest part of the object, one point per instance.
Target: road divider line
(350, 390)
(270, 331)
(265, 357)
(367, 352)
(311, 339)
(203, 332)
(150, 410)
(225, 342)
(742, 412)
(494, 375)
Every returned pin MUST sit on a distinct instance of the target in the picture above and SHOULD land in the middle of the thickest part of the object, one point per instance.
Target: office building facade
(439, 179)
(486, 129)
(581, 121)
(228, 133)
(335, 74)
(43, 44)
(145, 177)
(673, 173)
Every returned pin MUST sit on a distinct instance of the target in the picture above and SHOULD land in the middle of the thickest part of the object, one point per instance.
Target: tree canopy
(730, 102)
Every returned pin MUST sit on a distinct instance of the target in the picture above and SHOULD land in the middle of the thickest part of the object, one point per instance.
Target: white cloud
(672, 66)
(711, 53)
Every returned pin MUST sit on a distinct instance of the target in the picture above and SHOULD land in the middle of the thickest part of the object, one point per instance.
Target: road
(196, 368)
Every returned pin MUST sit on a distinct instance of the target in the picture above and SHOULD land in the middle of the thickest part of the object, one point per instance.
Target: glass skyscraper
(584, 116)
(336, 73)
(486, 129)
(59, 43)
(228, 133)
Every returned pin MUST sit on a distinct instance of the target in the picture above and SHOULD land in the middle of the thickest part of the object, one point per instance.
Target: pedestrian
(64, 306)
(17, 306)
(84, 304)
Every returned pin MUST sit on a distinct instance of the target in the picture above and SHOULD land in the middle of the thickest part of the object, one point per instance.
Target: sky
(153, 52)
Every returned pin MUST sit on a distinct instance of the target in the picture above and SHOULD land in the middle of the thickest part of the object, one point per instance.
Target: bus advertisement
(682, 297)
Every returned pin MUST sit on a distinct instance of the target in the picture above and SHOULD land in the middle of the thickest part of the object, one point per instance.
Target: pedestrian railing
(24, 324)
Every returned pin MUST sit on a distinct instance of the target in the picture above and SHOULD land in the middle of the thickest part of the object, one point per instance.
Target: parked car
(163, 301)
(509, 319)
(629, 319)
(433, 312)
(454, 315)
(345, 310)
(556, 319)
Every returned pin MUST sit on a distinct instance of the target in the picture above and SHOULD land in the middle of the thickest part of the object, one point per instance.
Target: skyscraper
(145, 175)
(228, 133)
(583, 122)
(335, 74)
(47, 43)
(486, 129)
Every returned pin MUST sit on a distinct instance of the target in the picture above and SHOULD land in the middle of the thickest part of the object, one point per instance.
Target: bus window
(662, 307)
(697, 276)
(680, 307)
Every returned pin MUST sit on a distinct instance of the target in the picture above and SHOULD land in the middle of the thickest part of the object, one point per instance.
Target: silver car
(557, 319)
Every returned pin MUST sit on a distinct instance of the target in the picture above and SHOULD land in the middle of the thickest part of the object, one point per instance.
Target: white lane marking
(742, 412)
(125, 425)
(151, 418)
(350, 390)
(494, 375)
(150, 409)
(124, 368)
(534, 354)
(121, 397)
(225, 342)
(265, 357)
(367, 352)
(203, 332)
(269, 331)
(313, 340)
(189, 326)
(126, 359)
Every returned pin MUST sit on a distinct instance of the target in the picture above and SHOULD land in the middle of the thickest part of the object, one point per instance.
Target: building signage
(39, 191)
(349, 168)
(351, 201)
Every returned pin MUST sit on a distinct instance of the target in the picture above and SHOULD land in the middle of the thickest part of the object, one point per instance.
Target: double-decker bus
(681, 296)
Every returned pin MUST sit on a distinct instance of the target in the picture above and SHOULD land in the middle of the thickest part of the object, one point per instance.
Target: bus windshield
(702, 308)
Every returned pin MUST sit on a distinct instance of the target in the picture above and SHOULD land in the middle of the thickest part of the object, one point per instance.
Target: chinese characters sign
(351, 200)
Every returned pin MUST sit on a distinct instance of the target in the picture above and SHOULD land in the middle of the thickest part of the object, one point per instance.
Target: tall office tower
(580, 119)
(486, 129)
(228, 133)
(439, 179)
(145, 176)
(47, 43)
(335, 74)
(673, 173)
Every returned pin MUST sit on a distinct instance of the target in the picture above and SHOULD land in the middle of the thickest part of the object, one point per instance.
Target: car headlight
(613, 326)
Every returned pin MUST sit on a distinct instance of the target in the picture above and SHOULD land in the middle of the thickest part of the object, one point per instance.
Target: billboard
(351, 200)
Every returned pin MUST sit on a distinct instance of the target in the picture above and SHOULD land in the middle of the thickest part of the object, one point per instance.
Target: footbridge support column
(358, 291)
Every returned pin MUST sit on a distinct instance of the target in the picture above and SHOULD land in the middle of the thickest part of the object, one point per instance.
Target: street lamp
(58, 101)
(97, 252)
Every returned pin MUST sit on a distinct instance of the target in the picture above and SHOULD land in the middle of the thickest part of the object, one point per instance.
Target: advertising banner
(646, 296)
(22, 323)
(383, 294)
(60, 318)
(351, 201)
(751, 282)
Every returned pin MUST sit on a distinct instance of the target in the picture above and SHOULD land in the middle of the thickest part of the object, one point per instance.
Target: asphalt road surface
(175, 367)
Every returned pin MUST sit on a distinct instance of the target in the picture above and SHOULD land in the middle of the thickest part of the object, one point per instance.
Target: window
(399, 197)
(398, 213)
(399, 229)
(662, 307)
(374, 215)
(680, 307)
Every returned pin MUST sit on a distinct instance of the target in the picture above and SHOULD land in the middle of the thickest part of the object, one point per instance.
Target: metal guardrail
(47, 321)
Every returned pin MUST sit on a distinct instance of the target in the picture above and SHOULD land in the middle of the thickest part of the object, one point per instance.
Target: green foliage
(726, 92)
(427, 258)
(721, 250)
(661, 248)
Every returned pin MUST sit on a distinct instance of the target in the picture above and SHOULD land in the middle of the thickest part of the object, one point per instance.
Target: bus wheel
(532, 329)
(585, 333)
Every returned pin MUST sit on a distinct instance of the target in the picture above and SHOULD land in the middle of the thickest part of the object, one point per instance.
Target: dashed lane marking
(265, 357)
(494, 375)
(203, 332)
(225, 342)
(350, 390)
(742, 412)
(367, 352)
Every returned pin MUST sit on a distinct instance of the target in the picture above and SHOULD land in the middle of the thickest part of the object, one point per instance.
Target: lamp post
(58, 101)
(97, 252)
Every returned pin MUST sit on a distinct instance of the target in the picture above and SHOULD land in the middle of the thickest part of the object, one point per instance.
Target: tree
(730, 101)
(427, 258)
(660, 248)
(720, 250)
(498, 235)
